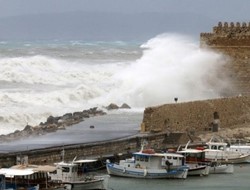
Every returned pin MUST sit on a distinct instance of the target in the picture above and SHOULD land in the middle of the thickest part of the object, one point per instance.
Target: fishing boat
(195, 160)
(73, 176)
(32, 177)
(220, 152)
(219, 168)
(241, 148)
(147, 164)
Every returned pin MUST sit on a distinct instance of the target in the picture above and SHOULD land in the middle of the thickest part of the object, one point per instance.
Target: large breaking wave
(34, 87)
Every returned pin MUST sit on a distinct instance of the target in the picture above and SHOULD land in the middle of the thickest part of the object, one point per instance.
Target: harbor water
(114, 125)
(239, 180)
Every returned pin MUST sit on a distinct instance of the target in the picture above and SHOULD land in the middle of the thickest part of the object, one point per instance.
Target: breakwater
(112, 149)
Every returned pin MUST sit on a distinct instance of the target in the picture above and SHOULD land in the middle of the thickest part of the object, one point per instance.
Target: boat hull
(117, 170)
(222, 169)
(199, 170)
(227, 159)
(86, 185)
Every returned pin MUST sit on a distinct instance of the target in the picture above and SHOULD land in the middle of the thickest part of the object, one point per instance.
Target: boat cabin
(154, 161)
(69, 172)
(25, 176)
(217, 146)
(64, 172)
(150, 161)
(193, 155)
(173, 159)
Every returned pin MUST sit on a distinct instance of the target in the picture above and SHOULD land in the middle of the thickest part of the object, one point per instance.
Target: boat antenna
(211, 139)
(179, 147)
(187, 144)
(74, 159)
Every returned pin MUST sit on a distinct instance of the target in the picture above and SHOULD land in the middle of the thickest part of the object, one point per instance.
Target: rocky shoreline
(53, 124)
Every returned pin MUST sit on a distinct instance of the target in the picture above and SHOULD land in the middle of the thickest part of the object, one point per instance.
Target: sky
(114, 19)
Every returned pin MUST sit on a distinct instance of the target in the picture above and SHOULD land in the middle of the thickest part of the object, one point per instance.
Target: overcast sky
(125, 19)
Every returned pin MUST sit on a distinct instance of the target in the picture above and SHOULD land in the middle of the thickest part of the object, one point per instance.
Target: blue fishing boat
(147, 164)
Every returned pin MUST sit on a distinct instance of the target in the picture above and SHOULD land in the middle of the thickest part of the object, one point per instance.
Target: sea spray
(173, 66)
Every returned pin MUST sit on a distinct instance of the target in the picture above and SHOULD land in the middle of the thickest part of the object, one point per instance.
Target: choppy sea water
(43, 78)
(239, 180)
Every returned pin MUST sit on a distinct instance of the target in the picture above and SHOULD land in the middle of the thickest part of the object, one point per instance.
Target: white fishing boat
(241, 148)
(147, 164)
(218, 168)
(73, 177)
(220, 152)
(197, 157)
(195, 160)
(32, 177)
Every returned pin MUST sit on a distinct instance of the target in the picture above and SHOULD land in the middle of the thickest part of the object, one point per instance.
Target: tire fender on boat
(124, 170)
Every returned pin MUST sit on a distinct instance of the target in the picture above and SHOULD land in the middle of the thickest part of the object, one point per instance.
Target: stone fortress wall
(233, 40)
(231, 112)
(198, 116)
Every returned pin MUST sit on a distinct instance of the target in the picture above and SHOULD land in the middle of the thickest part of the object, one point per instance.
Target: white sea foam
(34, 87)
(171, 66)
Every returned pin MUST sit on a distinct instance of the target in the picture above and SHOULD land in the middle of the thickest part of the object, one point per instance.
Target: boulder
(125, 106)
(51, 120)
(112, 106)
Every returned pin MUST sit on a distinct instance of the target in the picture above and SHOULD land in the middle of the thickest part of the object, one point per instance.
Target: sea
(40, 78)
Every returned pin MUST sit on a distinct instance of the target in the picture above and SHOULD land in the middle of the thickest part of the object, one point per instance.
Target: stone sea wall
(198, 116)
(113, 149)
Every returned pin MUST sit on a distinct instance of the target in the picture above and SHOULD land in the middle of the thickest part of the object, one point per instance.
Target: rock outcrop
(113, 106)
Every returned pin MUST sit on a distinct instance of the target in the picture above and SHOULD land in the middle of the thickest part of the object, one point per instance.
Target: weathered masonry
(197, 116)
(233, 40)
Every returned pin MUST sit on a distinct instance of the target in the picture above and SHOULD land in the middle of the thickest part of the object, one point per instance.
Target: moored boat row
(215, 158)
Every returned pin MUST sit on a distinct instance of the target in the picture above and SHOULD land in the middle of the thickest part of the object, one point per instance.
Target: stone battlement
(225, 34)
(237, 28)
